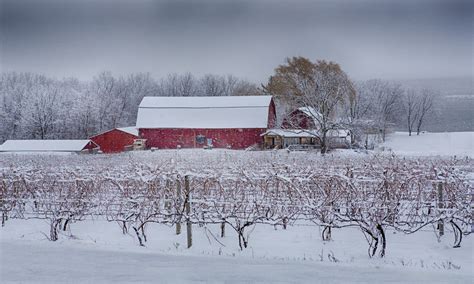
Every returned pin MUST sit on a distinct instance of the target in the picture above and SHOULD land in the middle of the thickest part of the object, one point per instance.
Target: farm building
(195, 122)
(339, 138)
(284, 138)
(116, 140)
(301, 118)
(306, 120)
(65, 146)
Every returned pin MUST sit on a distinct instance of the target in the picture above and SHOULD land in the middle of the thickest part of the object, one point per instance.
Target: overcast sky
(397, 39)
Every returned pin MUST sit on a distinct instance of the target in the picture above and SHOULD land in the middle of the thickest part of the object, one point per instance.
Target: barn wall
(90, 146)
(221, 138)
(113, 141)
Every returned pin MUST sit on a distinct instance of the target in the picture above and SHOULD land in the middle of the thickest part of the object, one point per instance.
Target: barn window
(200, 139)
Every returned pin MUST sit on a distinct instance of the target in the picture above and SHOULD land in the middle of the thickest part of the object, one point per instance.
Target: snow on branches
(370, 193)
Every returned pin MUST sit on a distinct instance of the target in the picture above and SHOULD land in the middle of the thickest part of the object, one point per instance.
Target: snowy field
(97, 252)
(432, 144)
(95, 249)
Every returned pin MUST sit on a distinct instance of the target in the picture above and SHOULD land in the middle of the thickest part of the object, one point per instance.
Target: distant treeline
(34, 106)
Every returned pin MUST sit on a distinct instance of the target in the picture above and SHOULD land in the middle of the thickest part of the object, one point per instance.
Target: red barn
(194, 122)
(115, 140)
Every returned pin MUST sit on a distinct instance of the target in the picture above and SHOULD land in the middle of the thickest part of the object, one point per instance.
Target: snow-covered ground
(97, 252)
(431, 144)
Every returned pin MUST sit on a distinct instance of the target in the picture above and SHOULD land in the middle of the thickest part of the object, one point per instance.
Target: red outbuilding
(115, 140)
(235, 122)
(302, 118)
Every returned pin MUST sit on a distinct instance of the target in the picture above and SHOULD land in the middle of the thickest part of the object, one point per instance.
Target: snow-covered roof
(290, 133)
(130, 130)
(342, 133)
(43, 145)
(204, 112)
(311, 112)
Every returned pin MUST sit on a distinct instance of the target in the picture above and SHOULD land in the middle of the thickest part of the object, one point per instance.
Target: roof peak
(204, 112)
(206, 102)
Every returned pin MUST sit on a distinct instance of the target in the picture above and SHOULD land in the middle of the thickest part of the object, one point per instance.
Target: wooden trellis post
(178, 196)
(189, 228)
(440, 207)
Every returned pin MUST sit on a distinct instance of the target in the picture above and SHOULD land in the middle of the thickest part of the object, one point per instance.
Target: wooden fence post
(188, 212)
(440, 206)
(178, 196)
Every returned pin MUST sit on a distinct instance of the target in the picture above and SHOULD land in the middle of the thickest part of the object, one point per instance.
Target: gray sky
(397, 39)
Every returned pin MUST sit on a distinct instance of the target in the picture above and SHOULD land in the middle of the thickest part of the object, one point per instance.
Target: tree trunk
(242, 241)
(143, 232)
(222, 229)
(53, 230)
(375, 246)
(140, 241)
(383, 239)
(457, 234)
(420, 122)
(65, 224)
(124, 227)
(326, 235)
(371, 245)
(324, 145)
(409, 122)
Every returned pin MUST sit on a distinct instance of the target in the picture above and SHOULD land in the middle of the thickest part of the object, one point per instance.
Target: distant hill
(454, 110)
(446, 86)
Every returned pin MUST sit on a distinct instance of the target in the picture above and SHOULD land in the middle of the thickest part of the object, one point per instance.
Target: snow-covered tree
(321, 87)
(383, 103)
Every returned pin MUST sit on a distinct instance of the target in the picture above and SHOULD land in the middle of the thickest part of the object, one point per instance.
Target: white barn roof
(43, 145)
(204, 112)
(130, 130)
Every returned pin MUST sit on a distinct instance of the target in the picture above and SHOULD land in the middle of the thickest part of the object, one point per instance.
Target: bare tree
(213, 85)
(216, 85)
(387, 103)
(103, 86)
(44, 110)
(322, 88)
(178, 86)
(16, 92)
(35, 106)
(417, 105)
(426, 101)
(412, 109)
